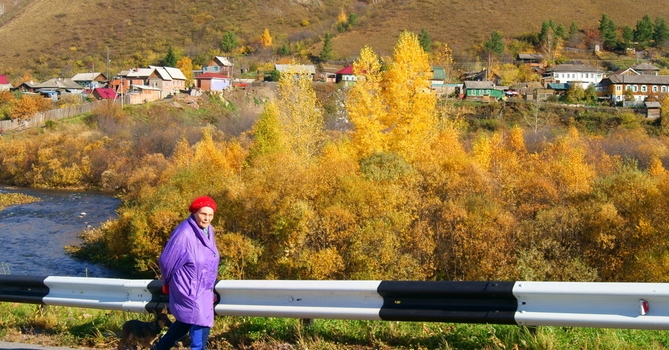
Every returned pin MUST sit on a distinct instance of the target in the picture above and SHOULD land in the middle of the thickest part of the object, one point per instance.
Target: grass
(74, 327)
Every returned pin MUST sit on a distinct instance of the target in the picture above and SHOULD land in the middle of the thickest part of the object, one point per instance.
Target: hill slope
(62, 37)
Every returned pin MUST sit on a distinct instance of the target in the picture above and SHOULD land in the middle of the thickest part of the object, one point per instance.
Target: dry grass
(63, 37)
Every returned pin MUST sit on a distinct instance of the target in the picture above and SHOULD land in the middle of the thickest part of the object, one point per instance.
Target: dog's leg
(147, 343)
(121, 344)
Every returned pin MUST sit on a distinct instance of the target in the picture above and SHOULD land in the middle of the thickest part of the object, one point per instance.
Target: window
(619, 88)
(644, 88)
(635, 88)
(663, 88)
(654, 88)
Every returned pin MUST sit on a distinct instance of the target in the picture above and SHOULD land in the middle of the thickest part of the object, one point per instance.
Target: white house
(583, 74)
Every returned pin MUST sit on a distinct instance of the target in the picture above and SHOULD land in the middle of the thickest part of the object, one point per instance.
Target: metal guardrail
(575, 304)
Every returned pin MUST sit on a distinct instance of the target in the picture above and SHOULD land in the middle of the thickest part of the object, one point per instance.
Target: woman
(189, 268)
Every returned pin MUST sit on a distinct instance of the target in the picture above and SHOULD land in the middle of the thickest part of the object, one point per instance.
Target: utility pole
(107, 63)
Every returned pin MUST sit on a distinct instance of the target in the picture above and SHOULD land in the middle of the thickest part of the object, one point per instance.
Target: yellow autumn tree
(365, 106)
(27, 106)
(267, 132)
(393, 111)
(342, 17)
(266, 38)
(186, 66)
(300, 113)
(411, 105)
(566, 164)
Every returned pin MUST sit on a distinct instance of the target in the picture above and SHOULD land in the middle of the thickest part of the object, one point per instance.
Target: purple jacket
(189, 265)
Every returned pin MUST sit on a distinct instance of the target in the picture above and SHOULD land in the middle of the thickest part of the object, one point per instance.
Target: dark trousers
(177, 330)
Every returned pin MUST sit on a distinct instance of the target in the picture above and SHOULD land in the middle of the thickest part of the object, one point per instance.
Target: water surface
(33, 236)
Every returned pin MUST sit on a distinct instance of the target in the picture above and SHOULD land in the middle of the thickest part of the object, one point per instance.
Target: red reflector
(643, 307)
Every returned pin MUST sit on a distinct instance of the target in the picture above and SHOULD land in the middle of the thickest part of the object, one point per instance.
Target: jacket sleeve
(174, 255)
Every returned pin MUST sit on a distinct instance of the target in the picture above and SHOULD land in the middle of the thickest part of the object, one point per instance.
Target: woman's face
(204, 216)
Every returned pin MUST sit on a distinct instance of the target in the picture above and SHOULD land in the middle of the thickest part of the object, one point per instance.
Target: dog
(136, 332)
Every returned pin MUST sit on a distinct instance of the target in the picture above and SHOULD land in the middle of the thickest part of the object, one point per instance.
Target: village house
(212, 81)
(219, 65)
(328, 74)
(152, 83)
(90, 80)
(437, 80)
(485, 90)
(57, 87)
(534, 60)
(26, 86)
(638, 87)
(582, 74)
(5, 85)
(345, 76)
(646, 69)
(104, 94)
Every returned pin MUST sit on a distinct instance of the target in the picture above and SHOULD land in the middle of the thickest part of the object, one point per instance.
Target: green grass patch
(66, 326)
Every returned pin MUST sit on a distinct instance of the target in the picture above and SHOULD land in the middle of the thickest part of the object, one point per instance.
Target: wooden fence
(42, 117)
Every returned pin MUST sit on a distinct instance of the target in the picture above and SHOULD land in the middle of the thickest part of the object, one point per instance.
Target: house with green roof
(482, 90)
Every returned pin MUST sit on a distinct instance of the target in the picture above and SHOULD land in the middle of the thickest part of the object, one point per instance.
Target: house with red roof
(4, 83)
(104, 93)
(346, 76)
(211, 81)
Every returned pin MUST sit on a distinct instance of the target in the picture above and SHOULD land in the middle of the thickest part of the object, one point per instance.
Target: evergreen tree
(352, 20)
(573, 29)
(644, 31)
(628, 37)
(495, 45)
(229, 42)
(561, 32)
(607, 30)
(170, 59)
(573, 36)
(545, 28)
(661, 33)
(284, 50)
(425, 40)
(326, 52)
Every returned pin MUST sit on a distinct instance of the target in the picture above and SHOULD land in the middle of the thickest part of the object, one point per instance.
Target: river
(33, 236)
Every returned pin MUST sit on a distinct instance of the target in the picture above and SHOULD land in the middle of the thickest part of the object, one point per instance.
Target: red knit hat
(201, 202)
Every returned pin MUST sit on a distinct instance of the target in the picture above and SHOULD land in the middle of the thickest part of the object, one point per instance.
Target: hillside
(63, 37)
